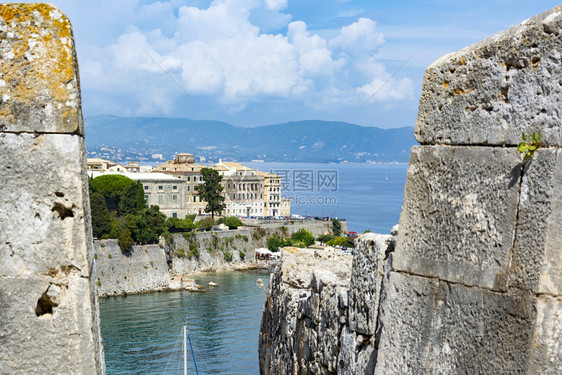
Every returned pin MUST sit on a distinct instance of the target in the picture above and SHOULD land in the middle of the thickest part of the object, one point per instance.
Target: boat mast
(184, 350)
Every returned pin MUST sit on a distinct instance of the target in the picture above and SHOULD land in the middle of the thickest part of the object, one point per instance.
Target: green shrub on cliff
(206, 223)
(232, 222)
(325, 238)
(274, 242)
(303, 236)
(176, 224)
(194, 250)
(125, 241)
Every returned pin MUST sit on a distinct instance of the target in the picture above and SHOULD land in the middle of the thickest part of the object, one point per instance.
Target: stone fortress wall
(49, 319)
(473, 284)
(152, 268)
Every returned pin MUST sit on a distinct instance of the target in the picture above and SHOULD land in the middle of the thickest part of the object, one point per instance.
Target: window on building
(160, 187)
(187, 200)
(188, 178)
(174, 214)
(175, 187)
(164, 168)
(175, 198)
(160, 199)
(188, 188)
(146, 197)
(145, 187)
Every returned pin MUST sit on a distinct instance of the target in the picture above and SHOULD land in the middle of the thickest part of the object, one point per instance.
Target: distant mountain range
(302, 141)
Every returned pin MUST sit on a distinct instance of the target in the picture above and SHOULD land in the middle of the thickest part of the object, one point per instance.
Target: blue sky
(256, 62)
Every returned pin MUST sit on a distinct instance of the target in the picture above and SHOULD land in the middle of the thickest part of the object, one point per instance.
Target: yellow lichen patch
(39, 62)
(461, 91)
(445, 84)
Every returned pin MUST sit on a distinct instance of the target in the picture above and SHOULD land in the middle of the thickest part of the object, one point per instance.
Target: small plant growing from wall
(227, 255)
(530, 144)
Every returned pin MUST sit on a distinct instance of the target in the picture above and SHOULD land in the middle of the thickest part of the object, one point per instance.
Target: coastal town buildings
(243, 189)
(102, 165)
(172, 186)
(160, 189)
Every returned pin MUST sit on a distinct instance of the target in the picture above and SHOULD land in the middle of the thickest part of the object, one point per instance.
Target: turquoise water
(142, 333)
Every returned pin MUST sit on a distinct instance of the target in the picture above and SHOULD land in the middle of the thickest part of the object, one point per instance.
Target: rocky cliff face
(152, 268)
(473, 285)
(143, 269)
(314, 322)
(48, 307)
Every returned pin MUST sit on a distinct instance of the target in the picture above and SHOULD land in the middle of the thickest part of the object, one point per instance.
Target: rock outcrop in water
(473, 285)
(49, 320)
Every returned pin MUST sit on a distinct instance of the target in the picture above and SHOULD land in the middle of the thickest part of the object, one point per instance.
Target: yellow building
(285, 207)
(271, 194)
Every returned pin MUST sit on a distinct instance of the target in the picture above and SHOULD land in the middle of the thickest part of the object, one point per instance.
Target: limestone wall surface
(472, 284)
(150, 268)
(213, 251)
(142, 269)
(49, 319)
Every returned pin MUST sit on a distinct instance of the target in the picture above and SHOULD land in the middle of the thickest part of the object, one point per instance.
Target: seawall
(153, 268)
(140, 270)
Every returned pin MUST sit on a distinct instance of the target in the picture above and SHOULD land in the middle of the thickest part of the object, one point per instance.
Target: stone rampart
(49, 316)
(472, 285)
(142, 269)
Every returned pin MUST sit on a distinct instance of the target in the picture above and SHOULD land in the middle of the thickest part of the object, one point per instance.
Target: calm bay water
(142, 333)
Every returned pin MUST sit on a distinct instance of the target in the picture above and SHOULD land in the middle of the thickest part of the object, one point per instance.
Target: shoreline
(249, 267)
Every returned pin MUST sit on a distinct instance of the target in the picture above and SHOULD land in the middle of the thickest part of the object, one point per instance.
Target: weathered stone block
(366, 281)
(42, 220)
(56, 341)
(546, 349)
(459, 213)
(39, 84)
(406, 310)
(439, 328)
(537, 255)
(490, 92)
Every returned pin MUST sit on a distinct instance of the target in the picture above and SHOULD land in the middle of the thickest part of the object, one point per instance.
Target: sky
(258, 62)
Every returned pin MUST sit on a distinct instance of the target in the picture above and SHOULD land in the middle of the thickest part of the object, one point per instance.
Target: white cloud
(276, 4)
(219, 53)
(359, 37)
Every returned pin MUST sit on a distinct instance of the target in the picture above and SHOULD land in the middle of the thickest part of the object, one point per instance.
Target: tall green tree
(211, 191)
(112, 187)
(100, 215)
(336, 227)
(132, 201)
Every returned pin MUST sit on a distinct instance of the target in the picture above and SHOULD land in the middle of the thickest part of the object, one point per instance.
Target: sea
(367, 196)
(142, 334)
